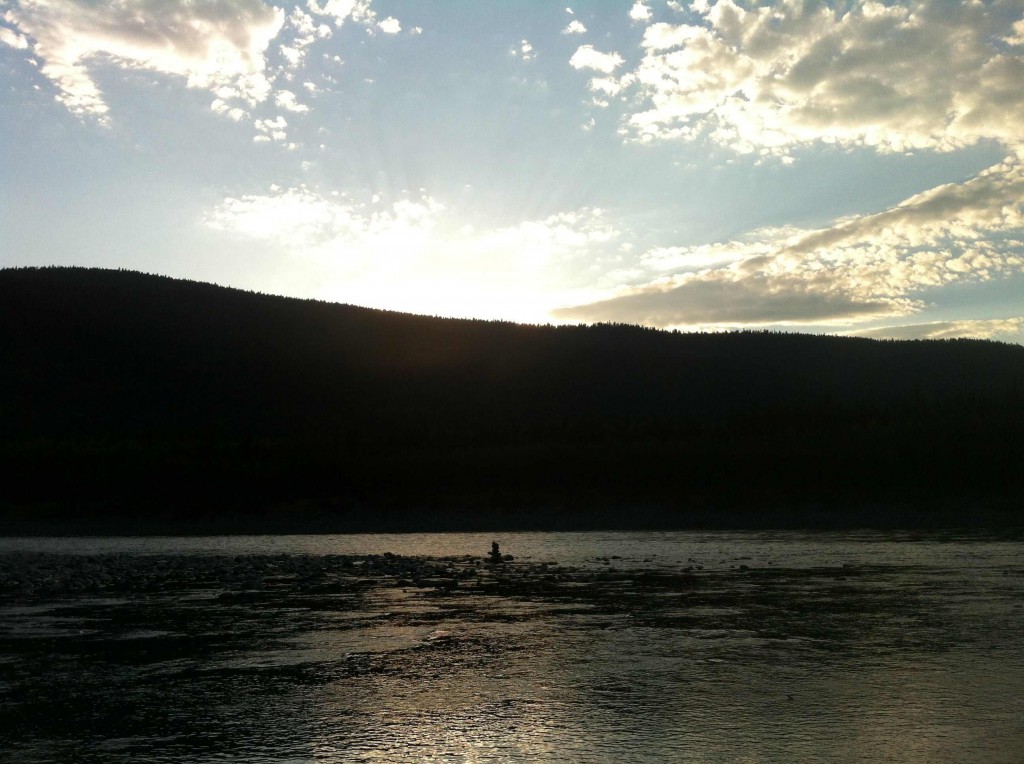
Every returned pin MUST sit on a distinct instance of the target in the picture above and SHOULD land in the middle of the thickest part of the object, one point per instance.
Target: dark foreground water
(600, 647)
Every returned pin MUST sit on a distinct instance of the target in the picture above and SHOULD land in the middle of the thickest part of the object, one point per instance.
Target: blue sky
(849, 168)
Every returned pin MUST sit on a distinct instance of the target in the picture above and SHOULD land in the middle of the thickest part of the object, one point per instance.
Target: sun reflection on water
(706, 653)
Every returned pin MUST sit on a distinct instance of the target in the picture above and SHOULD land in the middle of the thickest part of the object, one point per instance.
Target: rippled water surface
(590, 647)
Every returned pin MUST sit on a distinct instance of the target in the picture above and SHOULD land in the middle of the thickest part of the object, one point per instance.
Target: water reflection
(703, 653)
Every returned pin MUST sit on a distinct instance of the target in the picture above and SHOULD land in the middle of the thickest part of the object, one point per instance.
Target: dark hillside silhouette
(128, 394)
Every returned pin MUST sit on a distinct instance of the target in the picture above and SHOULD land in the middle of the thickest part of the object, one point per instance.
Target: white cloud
(1017, 38)
(13, 39)
(609, 86)
(560, 235)
(360, 12)
(575, 27)
(251, 89)
(411, 253)
(303, 24)
(294, 56)
(342, 10)
(390, 25)
(603, 88)
(221, 107)
(292, 218)
(854, 270)
(286, 100)
(587, 57)
(302, 218)
(212, 44)
(524, 51)
(304, 32)
(270, 129)
(307, 222)
(967, 213)
(896, 77)
(639, 12)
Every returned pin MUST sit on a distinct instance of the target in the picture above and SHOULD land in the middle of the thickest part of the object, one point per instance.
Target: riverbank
(205, 519)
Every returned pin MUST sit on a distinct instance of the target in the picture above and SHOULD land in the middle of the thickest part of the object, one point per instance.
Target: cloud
(858, 268)
(213, 44)
(562, 235)
(413, 254)
(575, 27)
(390, 25)
(606, 87)
(361, 12)
(639, 12)
(757, 300)
(524, 51)
(286, 100)
(291, 218)
(587, 57)
(12, 39)
(305, 222)
(1017, 38)
(305, 31)
(270, 130)
(987, 328)
(222, 107)
(894, 77)
(969, 213)
(342, 10)
(301, 218)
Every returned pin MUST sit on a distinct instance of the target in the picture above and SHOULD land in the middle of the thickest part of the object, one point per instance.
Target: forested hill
(121, 389)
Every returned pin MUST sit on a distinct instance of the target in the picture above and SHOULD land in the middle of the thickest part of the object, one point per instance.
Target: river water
(588, 647)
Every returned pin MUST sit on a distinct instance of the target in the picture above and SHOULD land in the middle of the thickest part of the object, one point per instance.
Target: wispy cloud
(369, 251)
(219, 45)
(300, 219)
(767, 80)
(214, 44)
(714, 301)
(858, 268)
(989, 328)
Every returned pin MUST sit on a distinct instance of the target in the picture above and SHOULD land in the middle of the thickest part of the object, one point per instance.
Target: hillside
(128, 395)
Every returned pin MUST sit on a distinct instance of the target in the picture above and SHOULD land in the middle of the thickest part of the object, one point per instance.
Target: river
(586, 647)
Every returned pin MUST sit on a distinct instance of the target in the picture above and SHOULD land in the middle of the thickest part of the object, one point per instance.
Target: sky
(850, 168)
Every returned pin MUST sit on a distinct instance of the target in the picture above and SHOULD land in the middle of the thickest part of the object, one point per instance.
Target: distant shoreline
(64, 520)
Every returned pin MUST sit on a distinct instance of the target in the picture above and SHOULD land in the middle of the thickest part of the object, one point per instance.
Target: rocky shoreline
(29, 576)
